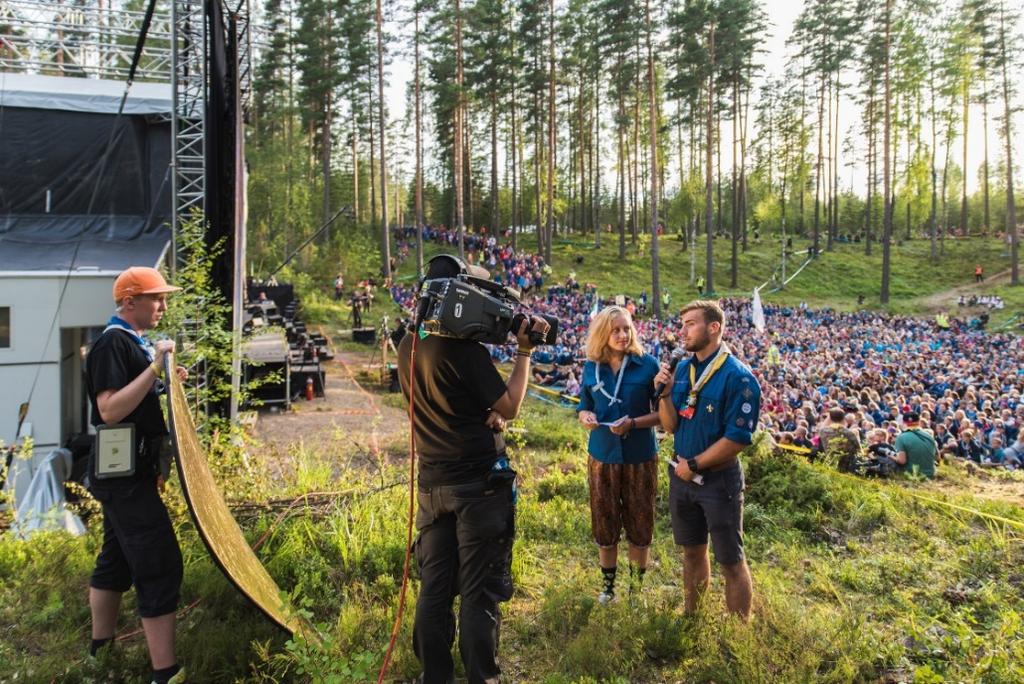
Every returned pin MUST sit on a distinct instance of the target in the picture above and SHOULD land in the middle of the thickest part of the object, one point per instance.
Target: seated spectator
(800, 438)
(881, 454)
(1013, 455)
(572, 384)
(996, 454)
(915, 447)
(836, 437)
(969, 447)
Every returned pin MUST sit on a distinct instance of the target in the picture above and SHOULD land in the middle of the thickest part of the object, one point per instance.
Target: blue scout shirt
(635, 393)
(728, 406)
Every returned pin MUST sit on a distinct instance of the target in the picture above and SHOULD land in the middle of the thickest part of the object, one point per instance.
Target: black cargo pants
(464, 547)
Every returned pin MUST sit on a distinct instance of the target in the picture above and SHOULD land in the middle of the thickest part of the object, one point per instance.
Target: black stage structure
(87, 189)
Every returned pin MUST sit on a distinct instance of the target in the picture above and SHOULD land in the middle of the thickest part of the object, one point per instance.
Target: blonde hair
(601, 329)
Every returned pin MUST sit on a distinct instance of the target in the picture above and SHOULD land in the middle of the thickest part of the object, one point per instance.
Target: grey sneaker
(606, 597)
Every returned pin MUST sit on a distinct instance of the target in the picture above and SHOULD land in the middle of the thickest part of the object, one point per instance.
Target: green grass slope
(855, 580)
(919, 285)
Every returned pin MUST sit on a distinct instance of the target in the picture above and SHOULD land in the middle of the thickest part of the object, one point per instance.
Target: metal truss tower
(92, 39)
(96, 39)
(188, 156)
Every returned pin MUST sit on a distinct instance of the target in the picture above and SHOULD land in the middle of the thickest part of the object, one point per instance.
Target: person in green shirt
(915, 448)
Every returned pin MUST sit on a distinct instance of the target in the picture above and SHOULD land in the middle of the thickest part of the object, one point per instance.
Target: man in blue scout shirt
(711, 404)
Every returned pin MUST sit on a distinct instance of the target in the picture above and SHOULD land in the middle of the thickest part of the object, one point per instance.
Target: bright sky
(782, 16)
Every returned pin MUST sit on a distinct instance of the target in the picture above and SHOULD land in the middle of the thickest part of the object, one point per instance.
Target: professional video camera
(460, 300)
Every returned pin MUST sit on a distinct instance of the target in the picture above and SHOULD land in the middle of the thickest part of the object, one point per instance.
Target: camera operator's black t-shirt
(456, 383)
(114, 361)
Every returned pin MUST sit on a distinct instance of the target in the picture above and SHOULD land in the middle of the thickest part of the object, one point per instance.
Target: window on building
(5, 327)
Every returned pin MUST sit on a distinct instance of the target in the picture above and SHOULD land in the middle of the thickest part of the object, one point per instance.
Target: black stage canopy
(51, 167)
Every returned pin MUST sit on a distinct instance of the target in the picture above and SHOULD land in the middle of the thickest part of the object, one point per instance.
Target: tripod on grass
(380, 351)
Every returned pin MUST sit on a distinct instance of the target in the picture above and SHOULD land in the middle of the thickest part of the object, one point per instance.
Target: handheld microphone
(677, 355)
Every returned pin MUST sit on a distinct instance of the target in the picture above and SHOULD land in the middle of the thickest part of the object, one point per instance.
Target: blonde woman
(616, 392)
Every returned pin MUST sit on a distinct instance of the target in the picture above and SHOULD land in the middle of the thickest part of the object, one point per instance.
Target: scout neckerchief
(697, 384)
(118, 323)
(612, 398)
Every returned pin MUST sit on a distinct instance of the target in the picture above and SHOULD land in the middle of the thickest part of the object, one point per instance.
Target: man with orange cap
(124, 372)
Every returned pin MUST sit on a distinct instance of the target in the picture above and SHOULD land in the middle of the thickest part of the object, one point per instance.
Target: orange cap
(139, 280)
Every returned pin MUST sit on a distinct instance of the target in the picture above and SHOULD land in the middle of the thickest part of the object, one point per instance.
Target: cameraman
(466, 515)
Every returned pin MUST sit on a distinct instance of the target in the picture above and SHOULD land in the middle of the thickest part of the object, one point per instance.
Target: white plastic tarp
(42, 505)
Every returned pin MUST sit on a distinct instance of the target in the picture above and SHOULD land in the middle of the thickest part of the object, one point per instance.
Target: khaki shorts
(622, 497)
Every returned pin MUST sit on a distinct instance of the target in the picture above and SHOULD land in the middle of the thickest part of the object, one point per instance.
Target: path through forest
(351, 416)
(947, 300)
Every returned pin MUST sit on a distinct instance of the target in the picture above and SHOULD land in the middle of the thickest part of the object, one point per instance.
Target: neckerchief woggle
(612, 398)
(118, 323)
(697, 384)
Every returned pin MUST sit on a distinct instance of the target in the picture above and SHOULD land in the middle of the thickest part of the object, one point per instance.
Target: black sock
(97, 644)
(609, 579)
(636, 576)
(162, 676)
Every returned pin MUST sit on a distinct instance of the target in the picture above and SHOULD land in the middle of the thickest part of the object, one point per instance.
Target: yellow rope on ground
(556, 393)
(982, 514)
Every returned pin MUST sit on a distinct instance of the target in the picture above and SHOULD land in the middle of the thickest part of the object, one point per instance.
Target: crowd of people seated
(964, 383)
(988, 301)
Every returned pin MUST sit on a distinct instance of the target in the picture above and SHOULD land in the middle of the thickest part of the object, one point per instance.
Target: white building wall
(34, 347)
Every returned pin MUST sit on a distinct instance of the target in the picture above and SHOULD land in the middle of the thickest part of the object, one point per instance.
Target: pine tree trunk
(744, 120)
(622, 178)
(933, 218)
(826, 185)
(887, 124)
(419, 149)
(494, 164)
(963, 196)
(818, 166)
(984, 164)
(373, 158)
(514, 134)
(595, 149)
(385, 251)
(1011, 208)
(734, 261)
(718, 175)
(467, 171)
(458, 132)
(709, 171)
(355, 167)
(653, 106)
(551, 133)
(835, 169)
(869, 214)
(325, 166)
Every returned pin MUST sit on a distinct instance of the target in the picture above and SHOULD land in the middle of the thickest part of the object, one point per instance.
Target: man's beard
(702, 342)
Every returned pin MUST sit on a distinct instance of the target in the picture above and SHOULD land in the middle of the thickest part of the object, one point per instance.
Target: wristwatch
(691, 463)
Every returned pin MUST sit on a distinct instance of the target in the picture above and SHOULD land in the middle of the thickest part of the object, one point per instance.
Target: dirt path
(982, 485)
(350, 414)
(947, 299)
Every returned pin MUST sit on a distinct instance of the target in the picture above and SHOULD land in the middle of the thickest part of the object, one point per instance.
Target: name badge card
(115, 451)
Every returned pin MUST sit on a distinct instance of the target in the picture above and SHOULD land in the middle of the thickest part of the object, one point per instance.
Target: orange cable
(412, 497)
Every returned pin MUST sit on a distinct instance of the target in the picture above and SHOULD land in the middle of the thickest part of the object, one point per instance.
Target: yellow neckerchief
(697, 385)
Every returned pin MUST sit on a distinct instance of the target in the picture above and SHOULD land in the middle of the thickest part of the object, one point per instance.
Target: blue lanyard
(118, 323)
